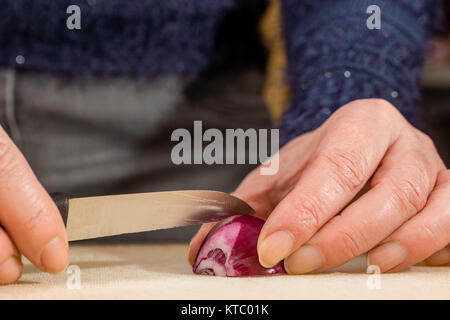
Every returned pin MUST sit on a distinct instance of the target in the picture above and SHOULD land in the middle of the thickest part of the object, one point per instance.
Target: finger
(420, 237)
(343, 163)
(27, 213)
(399, 190)
(10, 264)
(440, 258)
(263, 192)
(197, 240)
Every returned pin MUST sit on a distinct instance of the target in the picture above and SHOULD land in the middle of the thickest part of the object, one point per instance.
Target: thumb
(197, 240)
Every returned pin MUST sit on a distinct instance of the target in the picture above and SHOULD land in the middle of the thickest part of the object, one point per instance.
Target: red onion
(230, 249)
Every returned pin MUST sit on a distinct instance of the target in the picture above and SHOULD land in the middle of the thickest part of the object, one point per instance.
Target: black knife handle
(62, 202)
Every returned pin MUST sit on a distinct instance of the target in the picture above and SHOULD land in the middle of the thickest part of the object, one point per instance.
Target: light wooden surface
(161, 272)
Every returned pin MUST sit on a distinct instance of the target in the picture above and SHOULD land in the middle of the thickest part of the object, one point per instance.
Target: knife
(94, 217)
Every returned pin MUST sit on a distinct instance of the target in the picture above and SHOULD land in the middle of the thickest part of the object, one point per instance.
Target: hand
(31, 223)
(366, 180)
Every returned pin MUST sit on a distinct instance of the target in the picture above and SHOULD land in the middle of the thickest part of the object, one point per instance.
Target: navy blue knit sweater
(333, 57)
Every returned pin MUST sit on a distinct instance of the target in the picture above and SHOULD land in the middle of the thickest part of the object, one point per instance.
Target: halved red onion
(230, 249)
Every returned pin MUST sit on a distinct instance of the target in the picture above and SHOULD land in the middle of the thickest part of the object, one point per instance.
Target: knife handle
(62, 202)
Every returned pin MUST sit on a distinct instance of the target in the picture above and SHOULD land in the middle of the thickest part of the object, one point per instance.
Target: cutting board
(161, 271)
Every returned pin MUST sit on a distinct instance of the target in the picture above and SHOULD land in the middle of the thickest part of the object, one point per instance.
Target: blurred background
(436, 93)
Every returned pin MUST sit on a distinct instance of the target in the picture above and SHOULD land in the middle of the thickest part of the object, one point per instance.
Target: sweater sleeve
(334, 58)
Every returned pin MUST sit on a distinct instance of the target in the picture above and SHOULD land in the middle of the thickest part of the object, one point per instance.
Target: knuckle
(350, 169)
(427, 140)
(353, 243)
(432, 235)
(444, 176)
(382, 106)
(32, 221)
(384, 112)
(373, 113)
(381, 112)
(427, 144)
(409, 195)
(420, 169)
(308, 213)
(6, 160)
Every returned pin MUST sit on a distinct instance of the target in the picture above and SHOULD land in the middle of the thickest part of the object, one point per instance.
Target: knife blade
(100, 216)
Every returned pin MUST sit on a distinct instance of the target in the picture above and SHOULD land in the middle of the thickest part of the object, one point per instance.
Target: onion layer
(230, 249)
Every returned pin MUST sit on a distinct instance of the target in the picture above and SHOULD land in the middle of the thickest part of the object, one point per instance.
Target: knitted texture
(117, 37)
(333, 58)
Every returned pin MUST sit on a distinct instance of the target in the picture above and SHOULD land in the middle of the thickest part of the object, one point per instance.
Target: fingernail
(191, 258)
(189, 253)
(387, 256)
(55, 256)
(306, 259)
(275, 248)
(10, 270)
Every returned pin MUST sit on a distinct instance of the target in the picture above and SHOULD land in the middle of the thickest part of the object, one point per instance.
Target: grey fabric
(95, 136)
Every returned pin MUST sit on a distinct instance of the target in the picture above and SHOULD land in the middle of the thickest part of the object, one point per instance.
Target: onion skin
(230, 249)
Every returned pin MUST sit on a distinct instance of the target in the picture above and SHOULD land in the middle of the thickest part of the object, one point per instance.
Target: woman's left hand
(319, 214)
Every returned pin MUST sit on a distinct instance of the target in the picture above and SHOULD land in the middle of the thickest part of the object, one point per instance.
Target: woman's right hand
(30, 222)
